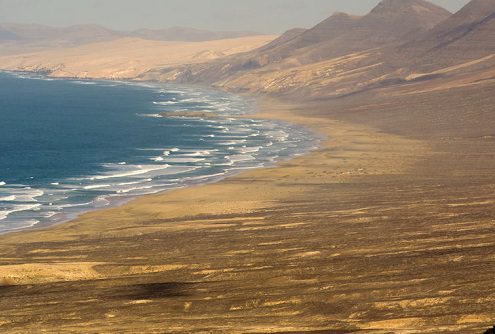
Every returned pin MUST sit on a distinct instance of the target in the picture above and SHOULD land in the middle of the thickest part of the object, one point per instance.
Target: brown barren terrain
(387, 228)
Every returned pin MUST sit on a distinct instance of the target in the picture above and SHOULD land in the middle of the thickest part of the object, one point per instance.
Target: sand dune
(123, 58)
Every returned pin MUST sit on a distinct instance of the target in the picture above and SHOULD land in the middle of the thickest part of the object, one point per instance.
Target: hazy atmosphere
(273, 16)
(247, 166)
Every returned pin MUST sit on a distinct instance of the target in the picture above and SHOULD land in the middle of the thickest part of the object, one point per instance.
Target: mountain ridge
(93, 33)
(340, 35)
(467, 34)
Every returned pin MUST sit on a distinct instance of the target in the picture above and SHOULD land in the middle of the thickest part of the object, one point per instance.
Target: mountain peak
(342, 15)
(406, 15)
(420, 8)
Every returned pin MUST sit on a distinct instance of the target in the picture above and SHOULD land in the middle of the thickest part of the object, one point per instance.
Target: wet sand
(387, 228)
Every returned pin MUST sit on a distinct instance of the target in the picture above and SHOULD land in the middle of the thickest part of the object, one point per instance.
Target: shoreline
(371, 233)
(245, 196)
(117, 201)
(124, 200)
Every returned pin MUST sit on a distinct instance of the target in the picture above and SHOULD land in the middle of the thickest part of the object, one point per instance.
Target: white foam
(30, 223)
(173, 92)
(278, 135)
(232, 142)
(250, 149)
(8, 198)
(55, 184)
(201, 177)
(133, 183)
(97, 186)
(26, 194)
(184, 160)
(2, 183)
(199, 153)
(125, 191)
(18, 208)
(142, 170)
(49, 214)
(151, 115)
(84, 82)
(66, 206)
(240, 158)
(101, 201)
(166, 103)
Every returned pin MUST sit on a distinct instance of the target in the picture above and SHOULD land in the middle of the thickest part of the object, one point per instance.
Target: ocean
(70, 146)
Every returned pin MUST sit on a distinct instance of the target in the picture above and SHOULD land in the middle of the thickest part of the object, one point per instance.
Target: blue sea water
(68, 146)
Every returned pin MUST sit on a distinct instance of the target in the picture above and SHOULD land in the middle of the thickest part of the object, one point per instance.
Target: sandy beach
(387, 227)
(377, 231)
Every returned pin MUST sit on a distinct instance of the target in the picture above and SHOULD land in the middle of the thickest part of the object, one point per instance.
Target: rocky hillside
(465, 36)
(400, 42)
(323, 53)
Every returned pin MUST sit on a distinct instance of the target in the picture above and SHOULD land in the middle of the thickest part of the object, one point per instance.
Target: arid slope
(397, 43)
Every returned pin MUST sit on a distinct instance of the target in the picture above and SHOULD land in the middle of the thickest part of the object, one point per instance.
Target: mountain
(467, 35)
(359, 40)
(390, 22)
(73, 35)
(92, 33)
(293, 41)
(189, 34)
(6, 35)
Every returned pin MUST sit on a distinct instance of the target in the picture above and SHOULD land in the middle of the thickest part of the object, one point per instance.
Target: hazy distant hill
(78, 34)
(91, 33)
(189, 34)
(6, 35)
